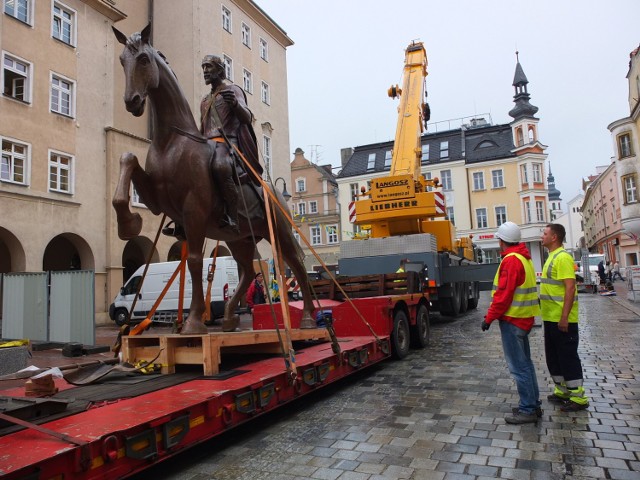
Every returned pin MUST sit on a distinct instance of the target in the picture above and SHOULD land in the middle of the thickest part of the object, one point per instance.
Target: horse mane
(135, 43)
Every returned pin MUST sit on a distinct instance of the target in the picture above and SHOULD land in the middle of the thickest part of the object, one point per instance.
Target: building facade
(64, 126)
(316, 211)
(489, 174)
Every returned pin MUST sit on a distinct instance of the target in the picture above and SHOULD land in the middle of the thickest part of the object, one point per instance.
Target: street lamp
(285, 194)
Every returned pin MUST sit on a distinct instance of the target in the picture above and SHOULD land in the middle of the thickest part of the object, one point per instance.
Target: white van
(225, 282)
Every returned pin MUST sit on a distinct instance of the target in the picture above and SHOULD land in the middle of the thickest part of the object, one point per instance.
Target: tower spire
(522, 108)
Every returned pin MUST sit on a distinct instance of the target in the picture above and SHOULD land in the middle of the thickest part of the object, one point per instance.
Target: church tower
(554, 197)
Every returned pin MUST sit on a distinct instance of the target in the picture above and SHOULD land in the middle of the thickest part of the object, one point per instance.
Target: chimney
(345, 155)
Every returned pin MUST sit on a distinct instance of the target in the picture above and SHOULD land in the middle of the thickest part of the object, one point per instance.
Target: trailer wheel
(420, 332)
(400, 335)
(120, 316)
(473, 301)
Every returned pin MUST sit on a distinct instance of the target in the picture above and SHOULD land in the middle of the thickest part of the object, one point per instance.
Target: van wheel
(400, 335)
(420, 331)
(121, 315)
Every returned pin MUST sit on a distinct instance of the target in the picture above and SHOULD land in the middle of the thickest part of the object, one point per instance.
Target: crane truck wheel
(450, 306)
(420, 332)
(400, 335)
(464, 297)
(475, 296)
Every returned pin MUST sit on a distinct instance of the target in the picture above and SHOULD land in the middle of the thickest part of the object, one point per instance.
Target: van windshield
(594, 261)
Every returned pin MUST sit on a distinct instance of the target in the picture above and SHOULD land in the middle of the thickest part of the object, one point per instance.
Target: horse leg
(129, 224)
(193, 325)
(242, 251)
(292, 256)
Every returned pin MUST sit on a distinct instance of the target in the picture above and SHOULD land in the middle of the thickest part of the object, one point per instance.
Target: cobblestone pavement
(439, 414)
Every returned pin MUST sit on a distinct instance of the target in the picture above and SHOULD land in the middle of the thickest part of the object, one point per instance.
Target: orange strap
(218, 139)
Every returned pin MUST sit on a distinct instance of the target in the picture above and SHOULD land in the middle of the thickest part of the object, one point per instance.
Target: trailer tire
(473, 301)
(120, 316)
(421, 331)
(400, 337)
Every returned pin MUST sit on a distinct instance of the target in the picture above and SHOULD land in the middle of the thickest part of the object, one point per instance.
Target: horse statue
(177, 180)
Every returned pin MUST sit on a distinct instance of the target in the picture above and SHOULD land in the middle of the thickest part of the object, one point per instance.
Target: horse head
(139, 61)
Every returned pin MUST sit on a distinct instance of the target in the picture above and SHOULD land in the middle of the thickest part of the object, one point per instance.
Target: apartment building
(64, 126)
(316, 211)
(489, 173)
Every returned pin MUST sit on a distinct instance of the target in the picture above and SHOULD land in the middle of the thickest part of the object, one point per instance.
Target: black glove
(485, 326)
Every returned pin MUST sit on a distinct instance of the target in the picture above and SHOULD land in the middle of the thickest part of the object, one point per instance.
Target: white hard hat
(509, 232)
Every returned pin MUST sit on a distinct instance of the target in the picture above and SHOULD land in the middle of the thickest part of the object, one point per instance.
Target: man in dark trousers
(515, 304)
(559, 310)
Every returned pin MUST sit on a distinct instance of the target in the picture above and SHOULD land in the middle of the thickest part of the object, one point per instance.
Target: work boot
(558, 400)
(519, 418)
(571, 406)
(539, 411)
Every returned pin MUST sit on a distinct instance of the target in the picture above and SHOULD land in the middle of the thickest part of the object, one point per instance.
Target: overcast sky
(347, 53)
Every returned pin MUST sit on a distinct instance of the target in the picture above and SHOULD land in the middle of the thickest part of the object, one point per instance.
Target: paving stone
(622, 474)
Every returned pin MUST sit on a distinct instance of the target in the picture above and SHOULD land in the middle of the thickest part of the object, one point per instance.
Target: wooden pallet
(367, 286)
(207, 350)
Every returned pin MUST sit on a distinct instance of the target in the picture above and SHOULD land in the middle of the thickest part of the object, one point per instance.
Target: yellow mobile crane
(405, 202)
(403, 214)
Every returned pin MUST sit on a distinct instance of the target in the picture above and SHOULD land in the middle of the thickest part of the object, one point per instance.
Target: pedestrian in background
(616, 272)
(559, 309)
(255, 294)
(608, 271)
(515, 304)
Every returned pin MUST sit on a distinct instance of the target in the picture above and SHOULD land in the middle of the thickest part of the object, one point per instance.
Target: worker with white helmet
(515, 304)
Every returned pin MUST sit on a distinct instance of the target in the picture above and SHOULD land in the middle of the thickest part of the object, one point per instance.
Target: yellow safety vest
(552, 292)
(525, 302)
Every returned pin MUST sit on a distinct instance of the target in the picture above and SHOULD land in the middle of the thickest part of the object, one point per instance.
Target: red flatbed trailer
(128, 427)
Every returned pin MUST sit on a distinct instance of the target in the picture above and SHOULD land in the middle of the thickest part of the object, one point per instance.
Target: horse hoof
(130, 228)
(193, 328)
(231, 324)
(307, 322)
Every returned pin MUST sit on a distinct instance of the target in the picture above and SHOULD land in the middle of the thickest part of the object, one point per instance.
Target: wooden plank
(208, 350)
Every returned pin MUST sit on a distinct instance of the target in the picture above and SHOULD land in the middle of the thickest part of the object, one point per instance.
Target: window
(501, 215)
(226, 19)
(445, 180)
(537, 172)
(17, 78)
(450, 215)
(228, 67)
(444, 149)
(264, 50)
(20, 9)
(481, 217)
(246, 35)
(332, 233)
(302, 208)
(371, 163)
(62, 93)
(60, 172)
(624, 145)
(135, 197)
(63, 27)
(296, 235)
(313, 206)
(353, 187)
(425, 153)
(264, 94)
(15, 162)
(247, 81)
(427, 176)
(316, 238)
(527, 211)
(301, 185)
(540, 211)
(497, 178)
(387, 159)
(628, 184)
(478, 180)
(266, 154)
(524, 174)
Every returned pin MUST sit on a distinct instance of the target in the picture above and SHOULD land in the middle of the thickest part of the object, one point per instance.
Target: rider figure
(224, 110)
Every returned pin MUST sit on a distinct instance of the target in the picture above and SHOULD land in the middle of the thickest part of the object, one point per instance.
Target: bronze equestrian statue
(179, 179)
